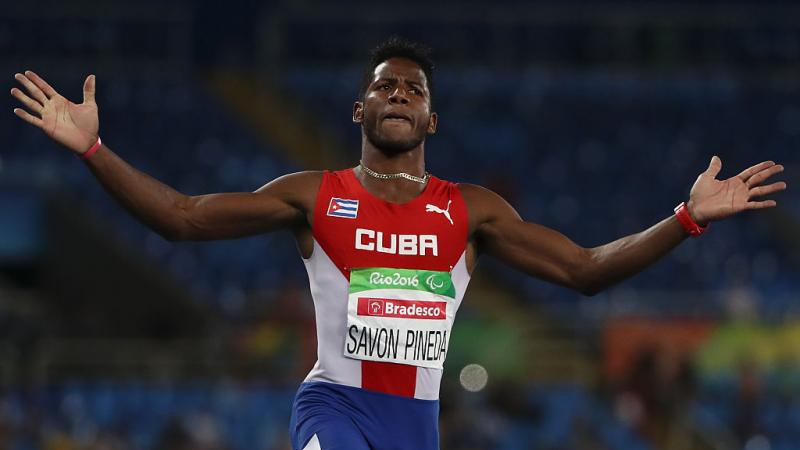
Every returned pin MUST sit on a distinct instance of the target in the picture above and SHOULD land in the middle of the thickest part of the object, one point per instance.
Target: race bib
(400, 316)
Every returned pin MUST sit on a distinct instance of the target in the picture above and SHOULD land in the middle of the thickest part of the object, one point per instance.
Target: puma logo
(436, 209)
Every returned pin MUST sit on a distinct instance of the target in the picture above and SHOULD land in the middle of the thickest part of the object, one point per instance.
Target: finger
(89, 89)
(27, 117)
(714, 166)
(38, 81)
(760, 177)
(32, 104)
(769, 189)
(761, 205)
(31, 88)
(752, 170)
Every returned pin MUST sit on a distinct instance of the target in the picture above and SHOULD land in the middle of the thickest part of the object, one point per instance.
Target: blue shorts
(328, 416)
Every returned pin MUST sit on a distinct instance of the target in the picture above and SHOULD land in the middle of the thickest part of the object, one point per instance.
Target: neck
(411, 162)
(399, 190)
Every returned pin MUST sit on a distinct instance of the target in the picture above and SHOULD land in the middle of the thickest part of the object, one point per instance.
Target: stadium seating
(243, 416)
(175, 132)
(595, 155)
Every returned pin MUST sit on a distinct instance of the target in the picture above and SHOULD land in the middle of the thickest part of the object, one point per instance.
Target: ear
(358, 112)
(432, 122)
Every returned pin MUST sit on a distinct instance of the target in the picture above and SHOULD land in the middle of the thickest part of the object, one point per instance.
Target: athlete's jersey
(387, 280)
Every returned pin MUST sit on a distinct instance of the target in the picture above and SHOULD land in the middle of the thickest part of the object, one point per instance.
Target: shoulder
(475, 193)
(480, 198)
(484, 205)
(303, 177)
(298, 188)
(301, 182)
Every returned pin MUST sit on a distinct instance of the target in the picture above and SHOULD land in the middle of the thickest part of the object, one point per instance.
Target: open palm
(74, 126)
(712, 199)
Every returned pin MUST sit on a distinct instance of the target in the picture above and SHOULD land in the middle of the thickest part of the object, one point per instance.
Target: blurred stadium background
(590, 117)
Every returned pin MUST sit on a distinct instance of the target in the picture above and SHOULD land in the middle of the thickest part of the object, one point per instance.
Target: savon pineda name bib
(400, 316)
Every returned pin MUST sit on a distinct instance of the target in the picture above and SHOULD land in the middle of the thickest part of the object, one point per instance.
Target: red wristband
(92, 149)
(683, 216)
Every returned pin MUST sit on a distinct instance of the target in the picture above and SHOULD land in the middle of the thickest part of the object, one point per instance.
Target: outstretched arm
(282, 203)
(542, 252)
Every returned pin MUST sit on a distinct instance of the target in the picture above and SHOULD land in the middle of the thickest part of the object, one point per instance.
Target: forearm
(613, 262)
(154, 203)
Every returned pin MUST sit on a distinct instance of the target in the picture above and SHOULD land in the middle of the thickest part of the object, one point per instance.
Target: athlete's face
(396, 112)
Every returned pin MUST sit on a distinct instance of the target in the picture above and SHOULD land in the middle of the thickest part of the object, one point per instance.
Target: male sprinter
(388, 248)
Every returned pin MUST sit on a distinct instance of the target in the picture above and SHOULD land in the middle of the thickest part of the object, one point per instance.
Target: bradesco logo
(402, 309)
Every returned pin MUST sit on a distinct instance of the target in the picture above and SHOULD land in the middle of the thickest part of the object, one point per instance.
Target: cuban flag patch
(343, 207)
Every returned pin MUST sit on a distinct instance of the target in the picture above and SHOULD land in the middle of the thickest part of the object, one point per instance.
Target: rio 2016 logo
(433, 282)
(394, 279)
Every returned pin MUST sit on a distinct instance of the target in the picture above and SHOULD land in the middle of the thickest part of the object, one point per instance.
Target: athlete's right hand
(71, 125)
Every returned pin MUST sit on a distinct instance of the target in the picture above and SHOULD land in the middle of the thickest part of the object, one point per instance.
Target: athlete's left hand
(711, 199)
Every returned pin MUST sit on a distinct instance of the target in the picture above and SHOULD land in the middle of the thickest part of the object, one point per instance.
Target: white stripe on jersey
(313, 444)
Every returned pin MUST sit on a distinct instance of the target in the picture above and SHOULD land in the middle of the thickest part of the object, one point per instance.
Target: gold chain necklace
(393, 176)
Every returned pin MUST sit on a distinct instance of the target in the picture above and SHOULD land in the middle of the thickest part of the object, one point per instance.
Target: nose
(399, 96)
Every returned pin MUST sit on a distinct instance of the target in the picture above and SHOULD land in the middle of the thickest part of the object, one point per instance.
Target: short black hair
(398, 47)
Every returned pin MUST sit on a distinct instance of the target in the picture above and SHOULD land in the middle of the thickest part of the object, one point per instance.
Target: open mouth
(396, 118)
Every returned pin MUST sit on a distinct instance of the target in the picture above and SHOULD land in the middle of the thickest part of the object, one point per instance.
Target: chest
(358, 230)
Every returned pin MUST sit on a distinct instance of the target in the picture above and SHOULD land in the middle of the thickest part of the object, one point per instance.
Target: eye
(383, 87)
(415, 91)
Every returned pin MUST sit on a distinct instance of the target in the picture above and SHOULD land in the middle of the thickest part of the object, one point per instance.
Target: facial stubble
(388, 145)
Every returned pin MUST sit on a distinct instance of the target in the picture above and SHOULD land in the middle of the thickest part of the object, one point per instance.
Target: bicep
(532, 248)
(282, 203)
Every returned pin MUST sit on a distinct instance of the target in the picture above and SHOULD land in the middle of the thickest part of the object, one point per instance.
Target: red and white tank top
(387, 280)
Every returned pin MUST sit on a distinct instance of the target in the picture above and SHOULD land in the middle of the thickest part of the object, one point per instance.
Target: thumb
(714, 166)
(89, 89)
